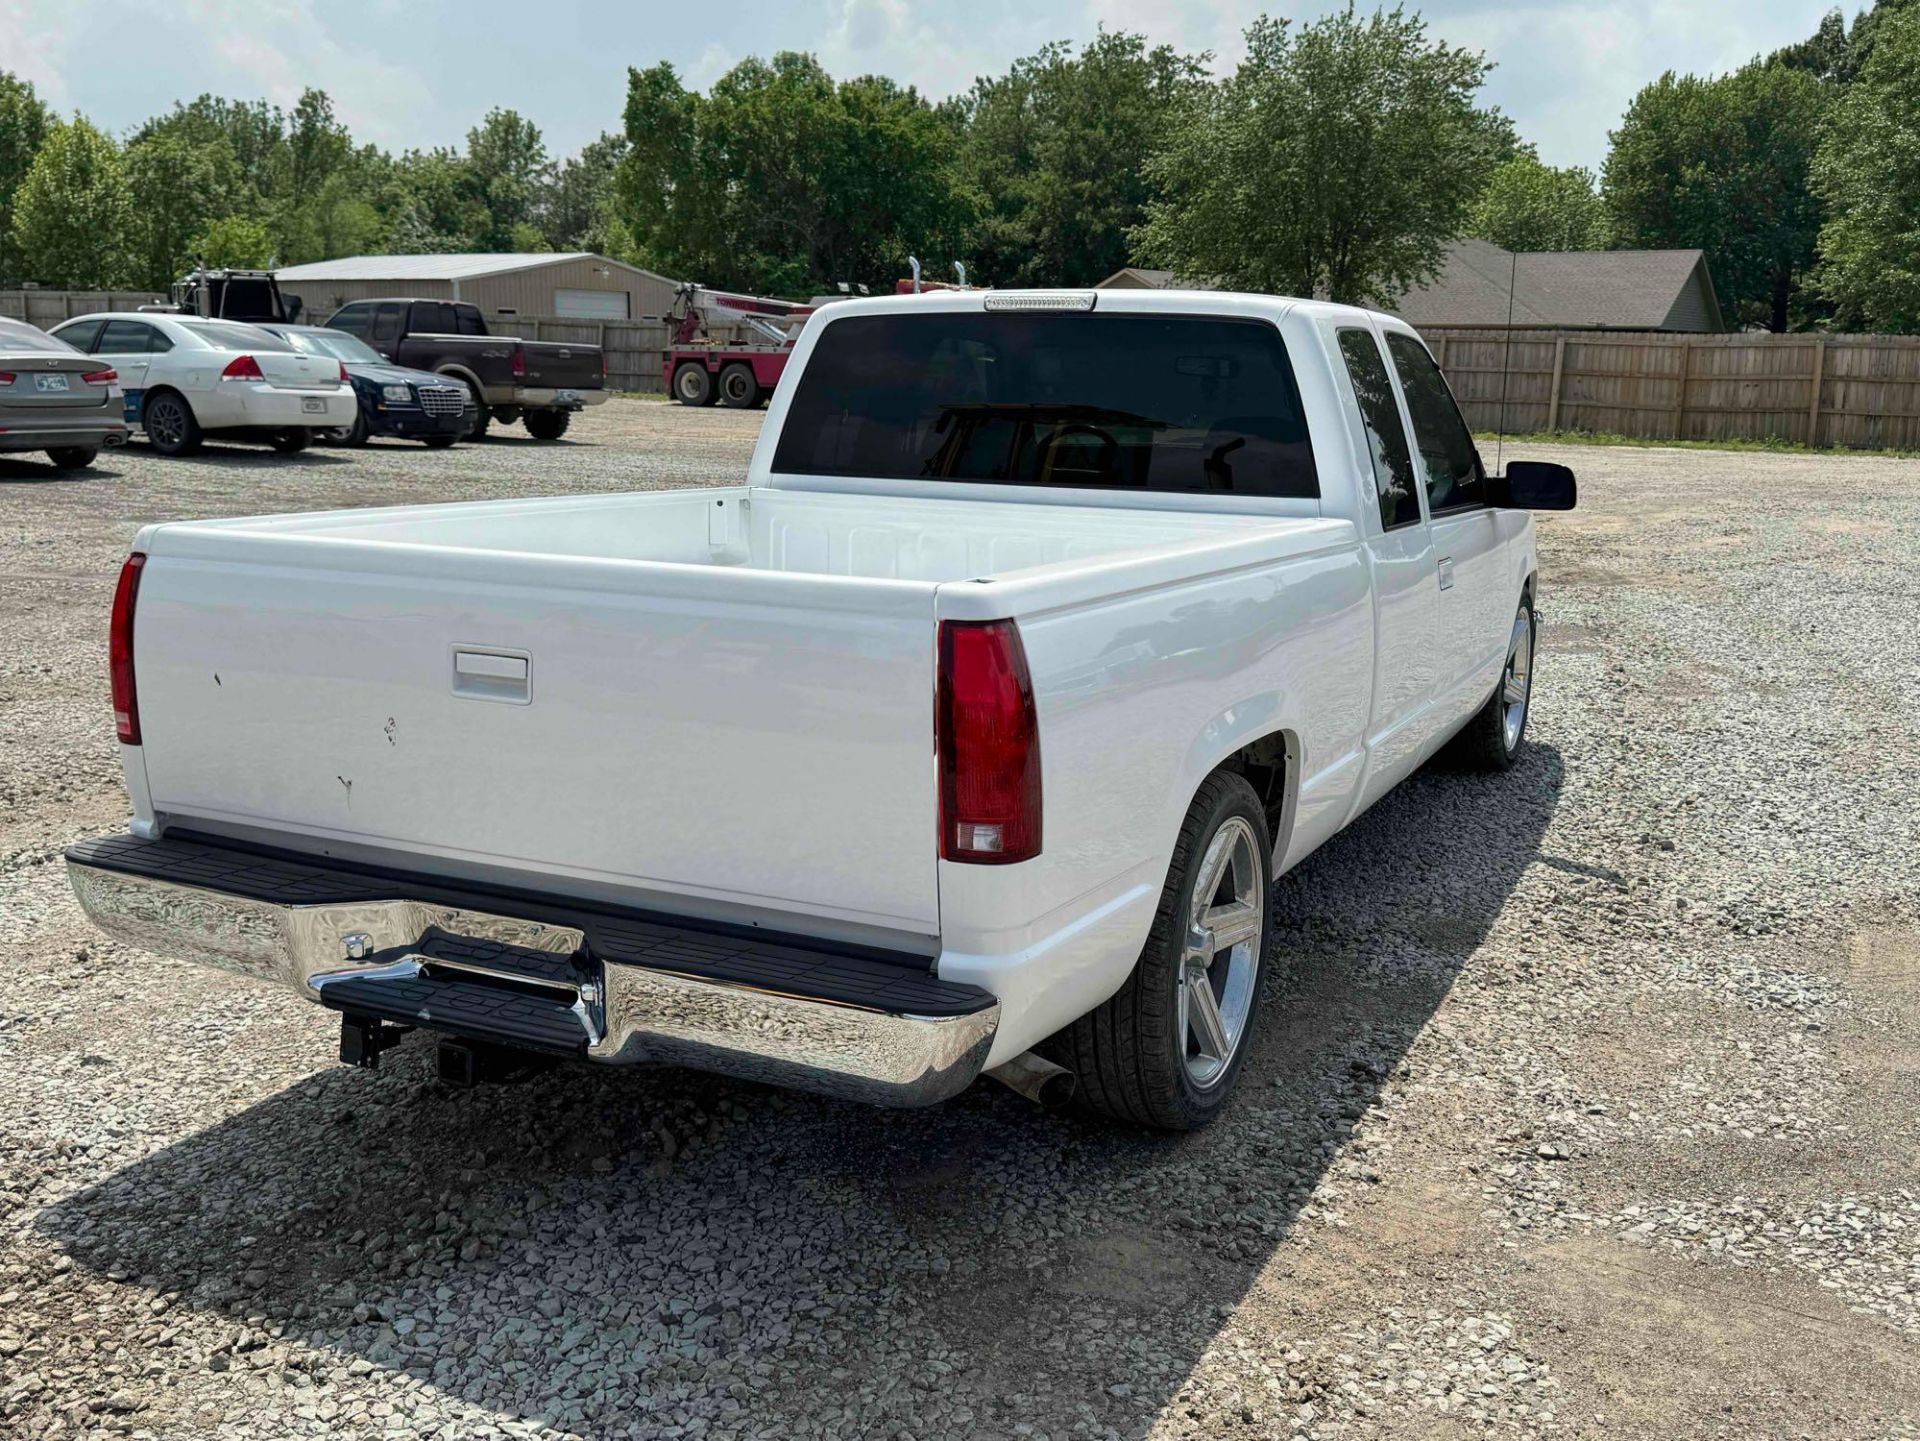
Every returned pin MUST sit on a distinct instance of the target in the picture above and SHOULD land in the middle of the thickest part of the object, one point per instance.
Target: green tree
(175, 190)
(429, 204)
(506, 163)
(780, 180)
(23, 126)
(70, 215)
(1839, 52)
(1056, 151)
(1868, 172)
(1527, 205)
(579, 199)
(239, 241)
(1337, 160)
(1723, 164)
(247, 139)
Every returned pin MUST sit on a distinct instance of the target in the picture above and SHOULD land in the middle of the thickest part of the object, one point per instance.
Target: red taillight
(6, 377)
(343, 374)
(989, 742)
(242, 367)
(519, 363)
(126, 705)
(100, 377)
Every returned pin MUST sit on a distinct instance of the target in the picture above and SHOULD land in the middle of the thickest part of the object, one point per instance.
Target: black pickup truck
(542, 382)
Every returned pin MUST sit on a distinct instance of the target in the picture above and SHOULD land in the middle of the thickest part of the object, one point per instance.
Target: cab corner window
(1393, 481)
(1449, 463)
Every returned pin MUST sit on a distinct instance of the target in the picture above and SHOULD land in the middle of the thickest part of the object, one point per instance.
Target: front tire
(354, 435)
(73, 457)
(170, 425)
(481, 414)
(1491, 740)
(1167, 1050)
(548, 424)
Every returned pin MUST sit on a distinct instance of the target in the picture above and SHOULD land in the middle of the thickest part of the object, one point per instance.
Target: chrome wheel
(1220, 963)
(1516, 685)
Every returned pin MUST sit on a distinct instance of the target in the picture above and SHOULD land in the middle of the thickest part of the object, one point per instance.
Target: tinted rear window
(1108, 402)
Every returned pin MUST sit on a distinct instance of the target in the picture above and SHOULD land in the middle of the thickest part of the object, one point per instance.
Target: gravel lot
(1585, 1108)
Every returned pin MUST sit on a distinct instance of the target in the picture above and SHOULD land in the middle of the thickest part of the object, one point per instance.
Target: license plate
(566, 397)
(50, 382)
(313, 405)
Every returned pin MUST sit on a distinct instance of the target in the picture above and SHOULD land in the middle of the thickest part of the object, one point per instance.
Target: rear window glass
(1106, 402)
(226, 335)
(20, 336)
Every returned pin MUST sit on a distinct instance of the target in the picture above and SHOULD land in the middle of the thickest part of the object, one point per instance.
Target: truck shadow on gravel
(625, 1252)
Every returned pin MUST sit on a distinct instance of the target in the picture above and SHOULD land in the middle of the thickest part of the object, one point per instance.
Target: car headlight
(397, 394)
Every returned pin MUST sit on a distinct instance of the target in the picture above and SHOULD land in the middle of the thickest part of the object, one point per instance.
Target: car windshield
(335, 343)
(230, 335)
(1110, 402)
(18, 336)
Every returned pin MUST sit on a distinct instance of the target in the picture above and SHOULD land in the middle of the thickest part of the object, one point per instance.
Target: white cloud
(35, 42)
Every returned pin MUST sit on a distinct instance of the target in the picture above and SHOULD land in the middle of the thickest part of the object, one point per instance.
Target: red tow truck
(698, 370)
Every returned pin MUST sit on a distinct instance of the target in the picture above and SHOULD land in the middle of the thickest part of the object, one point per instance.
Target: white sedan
(186, 378)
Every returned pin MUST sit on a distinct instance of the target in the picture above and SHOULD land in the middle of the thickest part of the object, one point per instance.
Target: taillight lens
(242, 367)
(344, 379)
(100, 377)
(6, 377)
(126, 705)
(519, 363)
(989, 743)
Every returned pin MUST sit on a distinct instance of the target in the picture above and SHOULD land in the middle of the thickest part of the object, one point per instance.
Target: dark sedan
(396, 401)
(55, 398)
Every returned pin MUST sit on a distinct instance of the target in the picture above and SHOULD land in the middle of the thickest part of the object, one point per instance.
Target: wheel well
(1271, 767)
(147, 396)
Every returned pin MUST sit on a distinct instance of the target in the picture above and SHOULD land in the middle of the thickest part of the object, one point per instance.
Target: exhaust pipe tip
(1038, 1079)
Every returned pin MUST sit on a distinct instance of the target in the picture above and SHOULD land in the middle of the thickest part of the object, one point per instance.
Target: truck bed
(442, 687)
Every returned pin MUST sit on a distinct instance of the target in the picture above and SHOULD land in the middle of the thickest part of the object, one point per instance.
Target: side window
(352, 319)
(81, 334)
(386, 324)
(124, 337)
(469, 320)
(432, 318)
(158, 341)
(1393, 479)
(1450, 464)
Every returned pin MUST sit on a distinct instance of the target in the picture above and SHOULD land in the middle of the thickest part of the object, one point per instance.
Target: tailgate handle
(487, 674)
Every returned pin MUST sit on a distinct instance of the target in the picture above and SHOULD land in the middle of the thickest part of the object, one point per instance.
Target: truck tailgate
(557, 365)
(719, 741)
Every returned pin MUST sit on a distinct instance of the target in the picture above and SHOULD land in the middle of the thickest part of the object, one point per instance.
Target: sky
(418, 73)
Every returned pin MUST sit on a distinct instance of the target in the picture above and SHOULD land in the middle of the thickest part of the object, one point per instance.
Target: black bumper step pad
(474, 1010)
(898, 982)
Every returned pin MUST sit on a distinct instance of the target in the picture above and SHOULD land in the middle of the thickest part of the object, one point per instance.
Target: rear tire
(739, 389)
(481, 414)
(170, 425)
(1158, 1053)
(73, 457)
(548, 424)
(1491, 740)
(291, 442)
(692, 384)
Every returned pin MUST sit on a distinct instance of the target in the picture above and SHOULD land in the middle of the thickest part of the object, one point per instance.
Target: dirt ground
(1583, 1106)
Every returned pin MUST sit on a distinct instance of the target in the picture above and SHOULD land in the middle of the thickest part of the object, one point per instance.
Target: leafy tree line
(1338, 158)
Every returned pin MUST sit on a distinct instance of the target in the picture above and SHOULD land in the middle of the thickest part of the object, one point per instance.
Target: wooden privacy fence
(633, 347)
(1858, 391)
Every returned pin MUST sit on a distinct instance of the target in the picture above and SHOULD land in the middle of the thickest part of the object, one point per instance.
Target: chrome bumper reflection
(638, 1015)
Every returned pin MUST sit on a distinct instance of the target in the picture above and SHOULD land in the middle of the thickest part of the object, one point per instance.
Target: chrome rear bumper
(865, 1040)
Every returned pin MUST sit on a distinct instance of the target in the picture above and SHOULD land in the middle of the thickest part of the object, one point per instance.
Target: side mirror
(293, 306)
(1534, 485)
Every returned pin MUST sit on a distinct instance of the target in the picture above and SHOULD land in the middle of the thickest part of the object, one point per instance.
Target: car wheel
(739, 390)
(353, 435)
(440, 442)
(548, 424)
(291, 442)
(1167, 1049)
(1491, 740)
(170, 426)
(481, 415)
(692, 385)
(73, 457)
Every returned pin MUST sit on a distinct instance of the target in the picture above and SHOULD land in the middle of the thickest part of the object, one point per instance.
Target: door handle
(1446, 572)
(487, 674)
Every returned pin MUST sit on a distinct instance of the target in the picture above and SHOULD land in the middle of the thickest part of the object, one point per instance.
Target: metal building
(575, 284)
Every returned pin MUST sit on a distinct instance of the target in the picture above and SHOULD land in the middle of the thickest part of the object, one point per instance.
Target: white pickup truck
(1044, 631)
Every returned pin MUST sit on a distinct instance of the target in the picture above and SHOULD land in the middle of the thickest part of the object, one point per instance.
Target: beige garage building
(575, 284)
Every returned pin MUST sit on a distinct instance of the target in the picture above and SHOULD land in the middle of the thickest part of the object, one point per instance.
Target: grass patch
(1770, 444)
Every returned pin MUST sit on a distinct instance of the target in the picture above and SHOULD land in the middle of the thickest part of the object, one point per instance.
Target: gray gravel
(1584, 1106)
